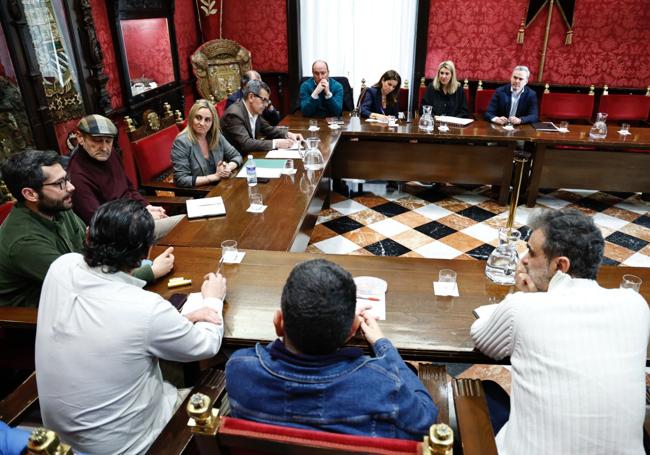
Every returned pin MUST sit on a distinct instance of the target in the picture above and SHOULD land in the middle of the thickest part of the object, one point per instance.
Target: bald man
(321, 96)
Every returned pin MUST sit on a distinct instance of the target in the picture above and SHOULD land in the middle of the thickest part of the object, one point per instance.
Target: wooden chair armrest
(475, 428)
(20, 401)
(167, 200)
(177, 436)
(170, 186)
(434, 378)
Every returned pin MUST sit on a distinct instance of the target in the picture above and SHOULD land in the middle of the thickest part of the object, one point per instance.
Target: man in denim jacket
(308, 379)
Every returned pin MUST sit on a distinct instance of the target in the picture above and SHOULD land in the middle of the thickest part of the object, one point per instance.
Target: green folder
(268, 164)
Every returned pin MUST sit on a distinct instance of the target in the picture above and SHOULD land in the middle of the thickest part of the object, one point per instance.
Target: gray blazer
(237, 129)
(189, 162)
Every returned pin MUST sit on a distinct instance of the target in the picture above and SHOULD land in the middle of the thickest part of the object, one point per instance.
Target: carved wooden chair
(482, 100)
(472, 417)
(151, 143)
(218, 66)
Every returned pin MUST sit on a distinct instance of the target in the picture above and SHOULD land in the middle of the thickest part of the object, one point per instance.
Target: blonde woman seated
(445, 94)
(381, 100)
(200, 153)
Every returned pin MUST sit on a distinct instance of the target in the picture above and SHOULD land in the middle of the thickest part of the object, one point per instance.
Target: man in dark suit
(242, 123)
(514, 103)
(270, 114)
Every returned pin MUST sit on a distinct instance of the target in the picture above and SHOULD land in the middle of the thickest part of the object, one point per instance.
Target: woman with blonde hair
(200, 153)
(445, 93)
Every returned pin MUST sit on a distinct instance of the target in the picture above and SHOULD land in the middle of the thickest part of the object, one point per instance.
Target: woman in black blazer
(381, 100)
(445, 93)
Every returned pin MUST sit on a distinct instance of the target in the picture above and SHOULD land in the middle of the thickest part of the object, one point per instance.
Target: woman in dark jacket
(445, 93)
(381, 100)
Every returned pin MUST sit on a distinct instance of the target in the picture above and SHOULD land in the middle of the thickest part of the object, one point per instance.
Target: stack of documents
(453, 120)
(209, 206)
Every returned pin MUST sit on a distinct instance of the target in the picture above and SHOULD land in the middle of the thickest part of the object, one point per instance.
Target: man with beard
(41, 227)
(578, 351)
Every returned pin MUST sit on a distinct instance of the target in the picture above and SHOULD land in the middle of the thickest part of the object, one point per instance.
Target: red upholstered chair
(625, 107)
(467, 95)
(5, 209)
(221, 107)
(403, 99)
(567, 106)
(482, 101)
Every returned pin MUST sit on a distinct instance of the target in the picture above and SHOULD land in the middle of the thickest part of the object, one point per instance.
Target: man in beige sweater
(577, 350)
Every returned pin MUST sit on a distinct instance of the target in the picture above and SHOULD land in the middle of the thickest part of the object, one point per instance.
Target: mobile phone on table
(178, 300)
(263, 180)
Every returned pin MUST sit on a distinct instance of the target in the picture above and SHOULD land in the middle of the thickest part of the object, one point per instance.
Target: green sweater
(29, 243)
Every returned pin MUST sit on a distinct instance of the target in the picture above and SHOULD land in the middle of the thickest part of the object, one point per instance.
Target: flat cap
(97, 125)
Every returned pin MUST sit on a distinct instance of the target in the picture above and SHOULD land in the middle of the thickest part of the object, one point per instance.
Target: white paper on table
(563, 130)
(284, 153)
(485, 311)
(377, 305)
(372, 120)
(335, 126)
(313, 128)
(624, 133)
(291, 171)
(508, 127)
(209, 206)
(229, 259)
(443, 129)
(257, 209)
(194, 302)
(264, 172)
(445, 288)
(453, 120)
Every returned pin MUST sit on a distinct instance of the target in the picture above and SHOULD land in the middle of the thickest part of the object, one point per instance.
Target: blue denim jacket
(347, 392)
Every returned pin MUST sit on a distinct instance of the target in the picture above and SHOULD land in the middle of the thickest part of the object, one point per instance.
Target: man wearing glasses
(41, 227)
(242, 123)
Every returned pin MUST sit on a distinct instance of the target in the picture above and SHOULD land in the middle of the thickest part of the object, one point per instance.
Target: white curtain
(359, 38)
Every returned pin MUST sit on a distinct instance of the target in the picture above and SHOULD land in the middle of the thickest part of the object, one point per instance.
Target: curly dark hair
(119, 237)
(318, 306)
(25, 170)
(573, 234)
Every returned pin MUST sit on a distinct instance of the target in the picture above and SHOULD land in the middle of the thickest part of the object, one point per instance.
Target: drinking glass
(391, 120)
(313, 124)
(625, 128)
(288, 167)
(229, 251)
(256, 201)
(442, 126)
(631, 282)
(564, 126)
(447, 276)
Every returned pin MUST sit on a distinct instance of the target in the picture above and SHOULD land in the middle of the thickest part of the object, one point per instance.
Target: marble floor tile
(611, 222)
(457, 221)
(413, 239)
(461, 242)
(496, 373)
(370, 200)
(348, 206)
(433, 211)
(321, 232)
(636, 231)
(412, 219)
(438, 250)
(367, 216)
(617, 252)
(453, 205)
(336, 245)
(364, 236)
(620, 213)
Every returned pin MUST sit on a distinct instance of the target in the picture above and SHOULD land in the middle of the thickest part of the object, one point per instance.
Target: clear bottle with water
(251, 171)
(502, 263)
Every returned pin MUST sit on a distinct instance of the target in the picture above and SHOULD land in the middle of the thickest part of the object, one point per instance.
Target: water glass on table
(631, 282)
(256, 201)
(229, 251)
(288, 167)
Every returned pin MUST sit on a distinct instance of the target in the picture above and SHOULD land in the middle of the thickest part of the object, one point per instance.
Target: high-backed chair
(218, 66)
(625, 107)
(19, 402)
(482, 99)
(567, 106)
(473, 419)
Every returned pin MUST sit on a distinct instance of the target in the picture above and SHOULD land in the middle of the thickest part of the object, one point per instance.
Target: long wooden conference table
(420, 324)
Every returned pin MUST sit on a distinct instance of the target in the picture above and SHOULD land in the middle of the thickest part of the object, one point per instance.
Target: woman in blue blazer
(381, 100)
(200, 153)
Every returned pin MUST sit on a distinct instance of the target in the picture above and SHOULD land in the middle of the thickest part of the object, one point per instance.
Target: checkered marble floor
(452, 222)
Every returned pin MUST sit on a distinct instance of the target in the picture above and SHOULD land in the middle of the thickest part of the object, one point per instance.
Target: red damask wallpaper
(148, 52)
(609, 42)
(105, 39)
(187, 35)
(261, 27)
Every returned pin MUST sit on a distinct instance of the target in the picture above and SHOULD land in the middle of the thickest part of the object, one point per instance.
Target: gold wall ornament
(480, 85)
(152, 120)
(178, 115)
(605, 90)
(547, 88)
(406, 84)
(130, 127)
(208, 7)
(647, 91)
(219, 64)
(167, 110)
(592, 89)
(422, 82)
(521, 31)
(466, 84)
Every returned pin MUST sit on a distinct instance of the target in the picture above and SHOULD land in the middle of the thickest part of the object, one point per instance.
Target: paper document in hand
(453, 120)
(209, 206)
(377, 304)
(293, 154)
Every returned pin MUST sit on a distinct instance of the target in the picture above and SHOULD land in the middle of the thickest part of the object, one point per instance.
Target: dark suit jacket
(500, 105)
(372, 104)
(237, 129)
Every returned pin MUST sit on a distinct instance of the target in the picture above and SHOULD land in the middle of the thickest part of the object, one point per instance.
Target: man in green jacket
(41, 227)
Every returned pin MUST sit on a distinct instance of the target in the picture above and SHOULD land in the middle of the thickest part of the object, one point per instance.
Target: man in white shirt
(577, 350)
(242, 123)
(99, 337)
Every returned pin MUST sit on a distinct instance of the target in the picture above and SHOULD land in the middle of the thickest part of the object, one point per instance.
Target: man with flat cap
(98, 175)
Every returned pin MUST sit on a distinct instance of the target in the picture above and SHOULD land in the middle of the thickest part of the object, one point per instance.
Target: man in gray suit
(242, 123)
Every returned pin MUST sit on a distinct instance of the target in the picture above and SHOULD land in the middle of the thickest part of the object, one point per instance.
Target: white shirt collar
(563, 280)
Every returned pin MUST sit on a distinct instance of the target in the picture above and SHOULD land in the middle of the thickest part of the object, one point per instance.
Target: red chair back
(625, 107)
(252, 438)
(153, 153)
(482, 100)
(467, 97)
(421, 91)
(221, 107)
(403, 99)
(5, 209)
(567, 106)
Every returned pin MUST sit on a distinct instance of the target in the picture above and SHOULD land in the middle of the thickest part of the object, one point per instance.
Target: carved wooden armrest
(20, 401)
(434, 378)
(177, 436)
(474, 424)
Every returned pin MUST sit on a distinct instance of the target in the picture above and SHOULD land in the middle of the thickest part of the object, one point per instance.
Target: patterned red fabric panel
(5, 209)
(153, 153)
(240, 427)
(625, 107)
(187, 36)
(105, 39)
(261, 27)
(567, 106)
(147, 46)
(482, 100)
(480, 37)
